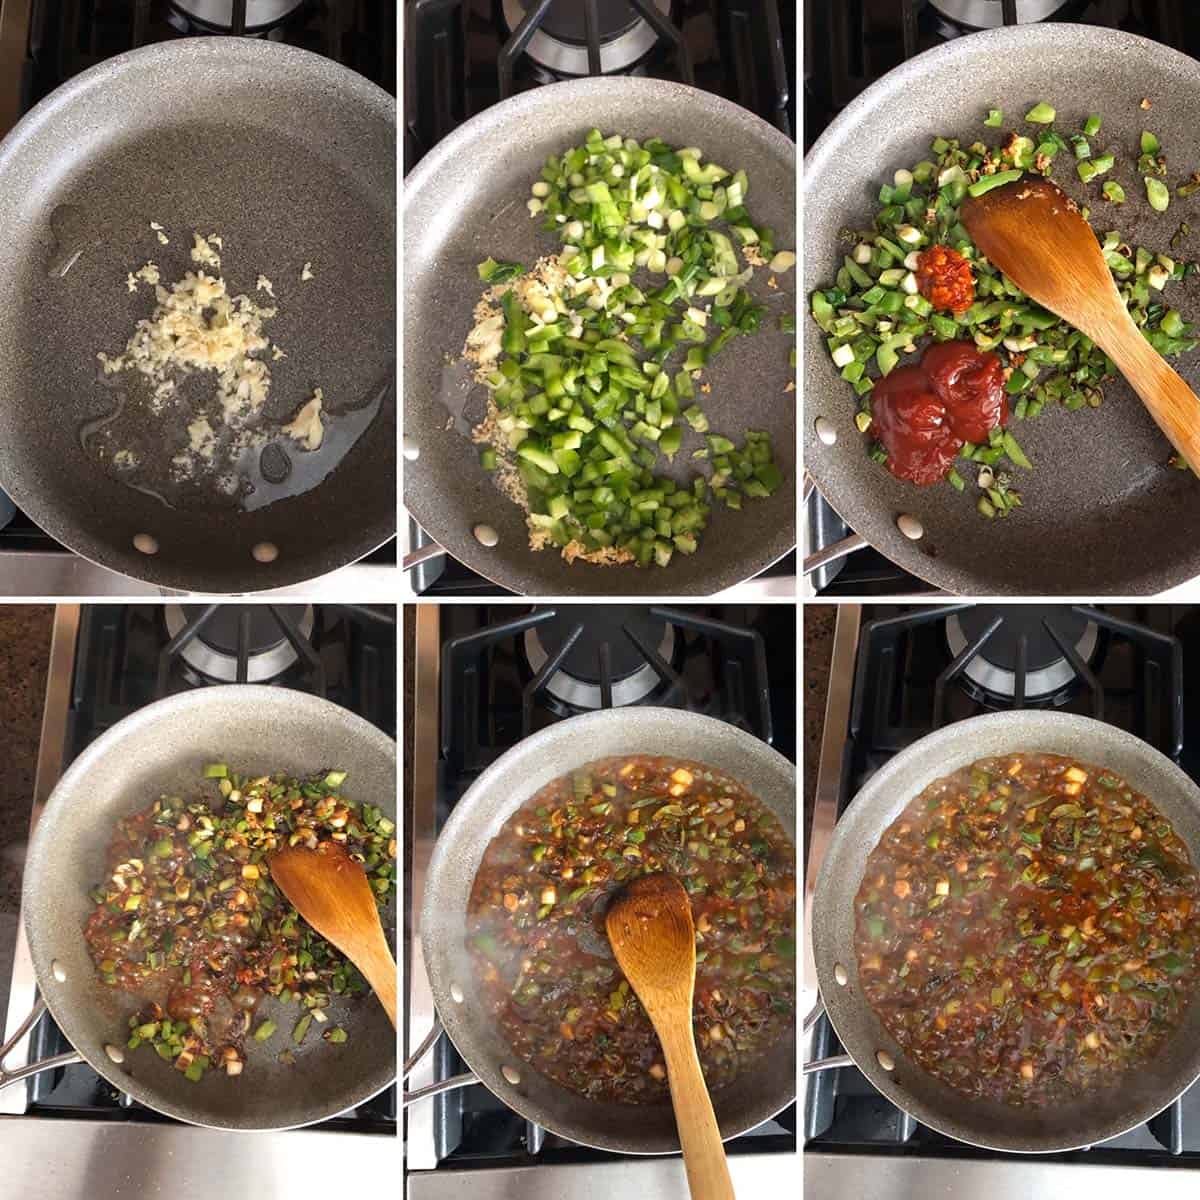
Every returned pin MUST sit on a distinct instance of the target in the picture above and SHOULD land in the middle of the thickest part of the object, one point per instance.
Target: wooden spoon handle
(699, 1135)
(375, 961)
(1172, 404)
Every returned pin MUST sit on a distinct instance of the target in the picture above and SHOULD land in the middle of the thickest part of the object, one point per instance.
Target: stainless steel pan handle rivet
(47, 1064)
(826, 431)
(485, 535)
(434, 1089)
(146, 543)
(265, 552)
(411, 450)
(910, 527)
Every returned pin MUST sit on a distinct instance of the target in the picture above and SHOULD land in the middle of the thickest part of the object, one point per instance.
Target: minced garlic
(307, 273)
(306, 427)
(196, 326)
(204, 253)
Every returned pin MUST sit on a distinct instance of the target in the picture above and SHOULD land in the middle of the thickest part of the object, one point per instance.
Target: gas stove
(897, 673)
(482, 678)
(462, 56)
(106, 662)
(43, 43)
(850, 46)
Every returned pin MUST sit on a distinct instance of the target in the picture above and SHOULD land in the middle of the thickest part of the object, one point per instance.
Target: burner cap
(560, 41)
(218, 14)
(577, 681)
(993, 669)
(989, 14)
(214, 650)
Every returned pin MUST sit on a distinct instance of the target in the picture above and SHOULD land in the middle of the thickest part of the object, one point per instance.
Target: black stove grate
(848, 46)
(461, 57)
(907, 682)
(491, 698)
(478, 683)
(117, 671)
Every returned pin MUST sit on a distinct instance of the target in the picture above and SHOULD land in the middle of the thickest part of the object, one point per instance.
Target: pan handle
(833, 552)
(424, 554)
(47, 1064)
(822, 1064)
(827, 1064)
(433, 1089)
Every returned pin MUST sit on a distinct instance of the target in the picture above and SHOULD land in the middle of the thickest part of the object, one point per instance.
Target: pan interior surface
(162, 750)
(487, 167)
(1097, 1115)
(1102, 512)
(289, 158)
(478, 817)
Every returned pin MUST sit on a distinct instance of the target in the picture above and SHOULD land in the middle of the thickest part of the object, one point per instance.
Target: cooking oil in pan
(281, 468)
(71, 233)
(249, 468)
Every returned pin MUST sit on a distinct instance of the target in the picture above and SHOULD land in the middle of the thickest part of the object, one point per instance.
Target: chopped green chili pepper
(1041, 114)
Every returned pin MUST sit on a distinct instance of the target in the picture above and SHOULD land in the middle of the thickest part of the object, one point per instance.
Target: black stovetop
(913, 673)
(743, 50)
(125, 658)
(848, 46)
(496, 689)
(68, 36)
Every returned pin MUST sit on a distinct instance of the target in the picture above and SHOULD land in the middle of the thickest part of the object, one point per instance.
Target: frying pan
(1102, 513)
(478, 817)
(466, 200)
(291, 159)
(1095, 1116)
(160, 750)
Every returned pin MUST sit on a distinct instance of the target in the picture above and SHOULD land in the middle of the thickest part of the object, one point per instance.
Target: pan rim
(1015, 40)
(447, 843)
(1064, 722)
(427, 515)
(219, 48)
(34, 881)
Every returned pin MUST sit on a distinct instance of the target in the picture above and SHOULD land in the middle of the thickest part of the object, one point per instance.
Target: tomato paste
(922, 414)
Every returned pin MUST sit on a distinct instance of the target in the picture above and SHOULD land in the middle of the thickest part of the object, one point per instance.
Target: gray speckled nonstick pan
(466, 200)
(161, 750)
(1097, 1115)
(1103, 514)
(291, 159)
(478, 817)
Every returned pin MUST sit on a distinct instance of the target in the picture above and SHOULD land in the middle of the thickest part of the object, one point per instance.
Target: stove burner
(577, 682)
(989, 14)
(214, 650)
(217, 15)
(993, 669)
(559, 44)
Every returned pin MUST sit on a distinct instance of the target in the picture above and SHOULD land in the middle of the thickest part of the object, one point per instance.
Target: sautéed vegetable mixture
(535, 925)
(1028, 928)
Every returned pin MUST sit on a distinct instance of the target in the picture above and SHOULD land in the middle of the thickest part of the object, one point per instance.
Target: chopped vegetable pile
(189, 921)
(916, 274)
(1029, 928)
(535, 926)
(592, 375)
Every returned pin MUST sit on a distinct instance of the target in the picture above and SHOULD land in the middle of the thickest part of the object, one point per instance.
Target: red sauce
(922, 414)
(944, 279)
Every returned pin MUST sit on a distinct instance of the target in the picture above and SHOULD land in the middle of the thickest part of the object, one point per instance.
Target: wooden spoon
(330, 891)
(649, 924)
(1034, 232)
